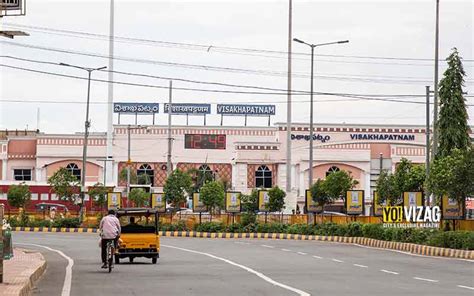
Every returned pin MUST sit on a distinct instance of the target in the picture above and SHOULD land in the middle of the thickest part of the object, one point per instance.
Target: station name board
(252, 110)
(316, 137)
(383, 137)
(185, 108)
(147, 108)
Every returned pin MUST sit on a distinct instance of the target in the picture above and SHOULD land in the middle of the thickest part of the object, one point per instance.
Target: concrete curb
(405, 247)
(23, 285)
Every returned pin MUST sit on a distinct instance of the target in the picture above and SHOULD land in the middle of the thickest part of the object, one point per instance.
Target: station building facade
(247, 157)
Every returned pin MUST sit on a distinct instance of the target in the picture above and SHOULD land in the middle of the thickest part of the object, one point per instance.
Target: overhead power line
(203, 47)
(196, 81)
(214, 68)
(354, 96)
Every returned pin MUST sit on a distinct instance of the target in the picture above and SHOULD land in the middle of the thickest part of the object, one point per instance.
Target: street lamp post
(86, 130)
(311, 101)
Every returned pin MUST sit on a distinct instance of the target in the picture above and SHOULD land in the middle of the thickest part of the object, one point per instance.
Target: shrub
(271, 228)
(375, 231)
(210, 227)
(248, 218)
(236, 228)
(179, 226)
(354, 229)
(300, 229)
(453, 240)
(67, 223)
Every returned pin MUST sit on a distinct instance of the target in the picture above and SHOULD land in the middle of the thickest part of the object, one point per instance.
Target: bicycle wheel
(110, 256)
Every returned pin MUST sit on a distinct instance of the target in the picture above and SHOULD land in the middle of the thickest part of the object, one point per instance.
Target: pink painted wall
(92, 169)
(319, 172)
(20, 164)
(376, 149)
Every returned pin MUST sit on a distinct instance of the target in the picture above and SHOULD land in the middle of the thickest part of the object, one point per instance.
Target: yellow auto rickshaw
(140, 236)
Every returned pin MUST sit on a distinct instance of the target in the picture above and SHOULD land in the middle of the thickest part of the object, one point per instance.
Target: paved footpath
(21, 272)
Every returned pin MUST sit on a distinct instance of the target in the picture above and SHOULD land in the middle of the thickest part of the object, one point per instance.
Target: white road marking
(335, 260)
(426, 280)
(363, 266)
(286, 250)
(412, 254)
(301, 253)
(66, 291)
(388, 271)
(248, 269)
(466, 287)
(267, 246)
(242, 243)
(317, 257)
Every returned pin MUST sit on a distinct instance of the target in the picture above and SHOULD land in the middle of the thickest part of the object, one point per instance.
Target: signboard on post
(413, 199)
(198, 205)
(185, 108)
(232, 202)
(245, 110)
(355, 202)
(134, 108)
(451, 209)
(310, 204)
(263, 200)
(114, 200)
(158, 202)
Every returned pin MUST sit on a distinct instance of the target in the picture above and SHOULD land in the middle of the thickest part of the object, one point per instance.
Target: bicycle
(110, 251)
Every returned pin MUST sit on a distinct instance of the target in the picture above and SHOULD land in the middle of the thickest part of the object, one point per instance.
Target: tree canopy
(212, 195)
(64, 184)
(452, 125)
(276, 201)
(177, 187)
(337, 183)
(18, 195)
(139, 197)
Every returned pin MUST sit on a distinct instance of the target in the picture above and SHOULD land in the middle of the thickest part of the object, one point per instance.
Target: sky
(402, 32)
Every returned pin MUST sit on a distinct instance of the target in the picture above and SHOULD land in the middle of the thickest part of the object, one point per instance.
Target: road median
(399, 246)
(21, 272)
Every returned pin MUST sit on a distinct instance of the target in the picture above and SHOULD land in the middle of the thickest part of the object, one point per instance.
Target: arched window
(205, 174)
(145, 175)
(75, 170)
(332, 169)
(263, 177)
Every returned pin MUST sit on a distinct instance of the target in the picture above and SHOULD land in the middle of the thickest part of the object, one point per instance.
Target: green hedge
(65, 222)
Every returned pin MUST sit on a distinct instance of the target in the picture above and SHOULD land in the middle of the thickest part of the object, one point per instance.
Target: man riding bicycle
(109, 231)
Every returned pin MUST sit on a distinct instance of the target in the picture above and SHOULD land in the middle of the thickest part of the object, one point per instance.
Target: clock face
(204, 141)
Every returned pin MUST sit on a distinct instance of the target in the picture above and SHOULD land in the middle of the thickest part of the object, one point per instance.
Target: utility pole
(129, 160)
(288, 104)
(87, 124)
(170, 139)
(311, 101)
(435, 109)
(110, 91)
(427, 160)
(1, 243)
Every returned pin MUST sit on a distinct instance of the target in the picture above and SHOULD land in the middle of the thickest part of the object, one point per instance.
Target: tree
(453, 175)
(249, 203)
(386, 189)
(98, 193)
(337, 183)
(134, 178)
(139, 197)
(177, 186)
(407, 178)
(64, 184)
(319, 195)
(452, 125)
(212, 195)
(18, 195)
(200, 177)
(276, 201)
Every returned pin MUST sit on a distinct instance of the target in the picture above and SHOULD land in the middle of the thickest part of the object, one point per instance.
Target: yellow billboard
(198, 205)
(413, 199)
(158, 202)
(232, 202)
(114, 200)
(355, 202)
(310, 204)
(263, 199)
(451, 208)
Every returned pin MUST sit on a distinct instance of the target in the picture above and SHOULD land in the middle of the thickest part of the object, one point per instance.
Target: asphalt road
(192, 266)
